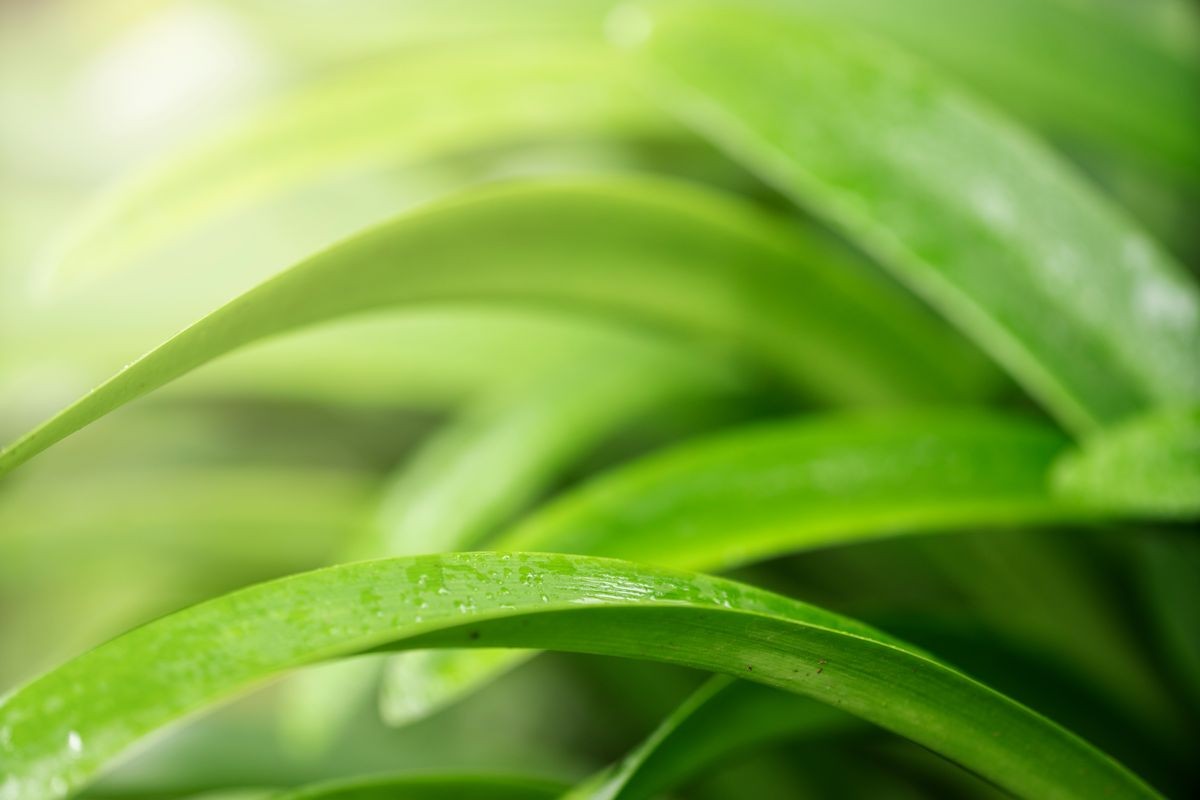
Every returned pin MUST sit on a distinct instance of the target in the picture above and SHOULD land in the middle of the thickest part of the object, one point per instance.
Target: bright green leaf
(60, 730)
(1085, 310)
(758, 493)
(797, 485)
(658, 253)
(484, 468)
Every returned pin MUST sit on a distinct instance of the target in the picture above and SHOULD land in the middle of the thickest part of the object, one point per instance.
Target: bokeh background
(277, 459)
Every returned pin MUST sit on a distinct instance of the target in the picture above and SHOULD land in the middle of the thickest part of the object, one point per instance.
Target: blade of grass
(808, 483)
(1079, 72)
(481, 471)
(59, 730)
(422, 357)
(486, 467)
(1085, 310)
(661, 254)
(1076, 70)
(724, 717)
(772, 489)
(430, 357)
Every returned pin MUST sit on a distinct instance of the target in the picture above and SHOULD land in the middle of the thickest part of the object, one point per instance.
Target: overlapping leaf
(58, 731)
(654, 253)
(779, 488)
(1084, 309)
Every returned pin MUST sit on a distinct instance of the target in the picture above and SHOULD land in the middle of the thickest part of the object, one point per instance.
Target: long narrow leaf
(983, 221)
(813, 483)
(1079, 71)
(780, 488)
(480, 472)
(487, 466)
(662, 254)
(64, 727)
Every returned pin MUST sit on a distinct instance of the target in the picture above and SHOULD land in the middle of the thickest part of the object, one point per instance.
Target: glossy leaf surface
(59, 730)
(1082, 307)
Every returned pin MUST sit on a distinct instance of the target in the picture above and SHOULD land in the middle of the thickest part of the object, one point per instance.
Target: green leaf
(1079, 71)
(658, 253)
(722, 717)
(777, 488)
(61, 729)
(983, 221)
(484, 468)
(425, 356)
(1076, 71)
(1148, 467)
(433, 357)
(427, 787)
(417, 107)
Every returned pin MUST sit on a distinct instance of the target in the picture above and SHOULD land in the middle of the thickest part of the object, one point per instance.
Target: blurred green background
(276, 459)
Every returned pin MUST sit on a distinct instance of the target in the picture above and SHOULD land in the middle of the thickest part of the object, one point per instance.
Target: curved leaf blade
(486, 467)
(1080, 306)
(59, 730)
(1079, 71)
(761, 492)
(490, 464)
(803, 484)
(659, 253)
(433, 102)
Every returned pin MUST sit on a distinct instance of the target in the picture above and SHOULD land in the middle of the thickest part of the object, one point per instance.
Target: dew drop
(74, 742)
